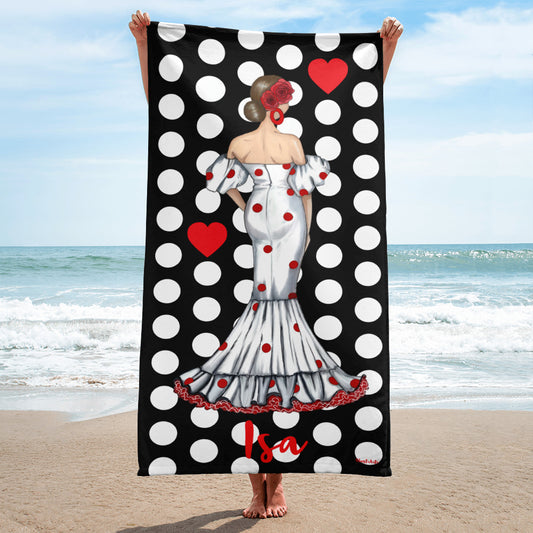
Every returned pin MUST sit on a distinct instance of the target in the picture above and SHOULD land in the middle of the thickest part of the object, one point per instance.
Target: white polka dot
(163, 433)
(244, 256)
(169, 218)
(327, 465)
(208, 201)
(171, 67)
(210, 88)
(171, 106)
(365, 94)
(211, 51)
(285, 420)
(205, 344)
(327, 112)
(336, 358)
(365, 55)
(168, 255)
(291, 126)
(251, 40)
(328, 291)
(170, 181)
(331, 186)
(204, 418)
(367, 273)
(243, 290)
(162, 466)
(329, 255)
(167, 291)
(203, 450)
(328, 218)
(368, 309)
(328, 327)
(328, 147)
(367, 237)
(238, 220)
(206, 309)
(249, 71)
(368, 418)
(327, 41)
(165, 326)
(366, 166)
(204, 160)
(289, 56)
(238, 433)
(366, 202)
(207, 273)
(163, 398)
(368, 346)
(209, 125)
(171, 144)
(375, 381)
(285, 456)
(365, 130)
(327, 434)
(170, 31)
(240, 109)
(243, 465)
(368, 453)
(165, 362)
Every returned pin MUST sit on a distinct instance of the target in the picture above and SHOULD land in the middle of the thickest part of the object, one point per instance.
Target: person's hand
(138, 24)
(391, 29)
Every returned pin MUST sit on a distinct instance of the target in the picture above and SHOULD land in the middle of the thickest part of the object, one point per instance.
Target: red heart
(207, 239)
(328, 75)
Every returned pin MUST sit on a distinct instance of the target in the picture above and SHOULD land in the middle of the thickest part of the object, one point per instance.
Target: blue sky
(458, 115)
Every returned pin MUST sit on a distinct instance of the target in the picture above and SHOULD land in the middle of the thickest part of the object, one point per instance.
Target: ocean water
(461, 327)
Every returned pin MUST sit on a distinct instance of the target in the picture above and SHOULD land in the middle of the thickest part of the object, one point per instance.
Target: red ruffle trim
(341, 397)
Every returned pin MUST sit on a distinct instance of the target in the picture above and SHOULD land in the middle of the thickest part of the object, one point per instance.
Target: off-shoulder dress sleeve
(224, 174)
(304, 178)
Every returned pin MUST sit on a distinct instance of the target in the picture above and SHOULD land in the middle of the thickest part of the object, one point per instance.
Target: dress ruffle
(310, 175)
(274, 401)
(224, 174)
(271, 360)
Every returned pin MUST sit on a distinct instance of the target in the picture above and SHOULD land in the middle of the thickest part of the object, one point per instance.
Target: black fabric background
(343, 346)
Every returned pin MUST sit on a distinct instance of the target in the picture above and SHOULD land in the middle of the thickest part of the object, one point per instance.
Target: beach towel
(264, 342)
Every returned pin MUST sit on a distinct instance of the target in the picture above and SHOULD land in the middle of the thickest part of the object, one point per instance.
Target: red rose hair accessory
(279, 93)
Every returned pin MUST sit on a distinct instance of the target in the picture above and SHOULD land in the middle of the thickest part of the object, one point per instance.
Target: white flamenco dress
(271, 360)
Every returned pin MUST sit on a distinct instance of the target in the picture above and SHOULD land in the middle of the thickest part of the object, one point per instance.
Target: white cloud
(502, 154)
(461, 48)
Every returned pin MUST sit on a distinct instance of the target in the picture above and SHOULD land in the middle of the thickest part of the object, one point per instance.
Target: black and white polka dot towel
(264, 344)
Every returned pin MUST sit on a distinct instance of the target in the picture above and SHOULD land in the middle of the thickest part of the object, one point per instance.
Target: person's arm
(138, 24)
(390, 32)
(143, 58)
(308, 209)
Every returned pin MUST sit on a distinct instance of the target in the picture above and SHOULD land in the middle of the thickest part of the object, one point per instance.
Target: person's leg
(256, 509)
(276, 505)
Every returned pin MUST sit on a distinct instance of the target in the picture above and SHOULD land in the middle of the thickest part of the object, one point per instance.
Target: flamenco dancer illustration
(271, 360)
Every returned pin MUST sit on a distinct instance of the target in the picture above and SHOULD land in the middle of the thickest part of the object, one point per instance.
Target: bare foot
(276, 506)
(257, 509)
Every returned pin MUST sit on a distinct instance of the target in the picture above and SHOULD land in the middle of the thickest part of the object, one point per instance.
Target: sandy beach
(453, 470)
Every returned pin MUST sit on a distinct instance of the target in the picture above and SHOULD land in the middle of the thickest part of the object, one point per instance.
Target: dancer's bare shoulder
(237, 146)
(297, 150)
